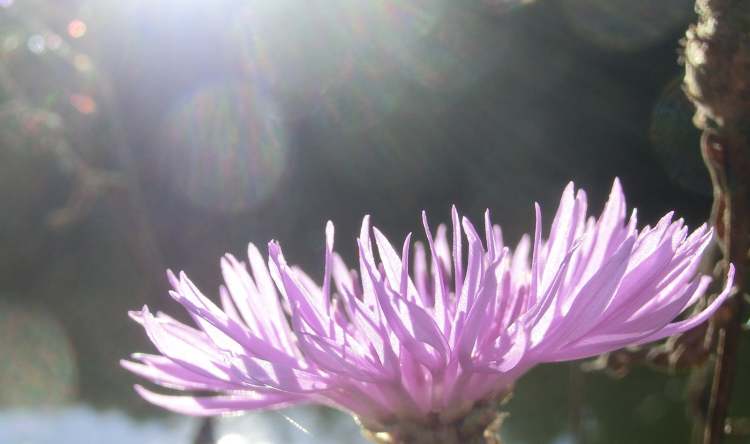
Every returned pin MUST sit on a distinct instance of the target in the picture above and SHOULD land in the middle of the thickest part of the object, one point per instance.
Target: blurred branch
(91, 184)
(133, 214)
(731, 211)
(206, 433)
(120, 185)
(575, 417)
(684, 351)
(717, 66)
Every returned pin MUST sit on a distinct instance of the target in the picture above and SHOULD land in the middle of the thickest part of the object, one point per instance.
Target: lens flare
(83, 63)
(224, 148)
(434, 44)
(504, 6)
(77, 28)
(626, 25)
(36, 44)
(233, 438)
(10, 43)
(404, 51)
(54, 41)
(357, 61)
(298, 52)
(401, 152)
(675, 140)
(83, 103)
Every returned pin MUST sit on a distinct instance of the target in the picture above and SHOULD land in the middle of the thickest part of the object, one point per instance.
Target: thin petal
(217, 405)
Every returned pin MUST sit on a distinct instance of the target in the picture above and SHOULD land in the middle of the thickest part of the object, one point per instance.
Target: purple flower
(426, 334)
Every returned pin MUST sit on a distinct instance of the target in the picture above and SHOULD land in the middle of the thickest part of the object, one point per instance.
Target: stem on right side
(717, 81)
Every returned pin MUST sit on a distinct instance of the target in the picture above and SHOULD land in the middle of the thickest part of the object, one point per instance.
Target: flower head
(428, 334)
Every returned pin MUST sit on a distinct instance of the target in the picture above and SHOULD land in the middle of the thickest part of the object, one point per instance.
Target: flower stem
(481, 425)
(717, 69)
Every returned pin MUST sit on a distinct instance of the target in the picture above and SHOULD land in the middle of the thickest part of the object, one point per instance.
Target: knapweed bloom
(424, 337)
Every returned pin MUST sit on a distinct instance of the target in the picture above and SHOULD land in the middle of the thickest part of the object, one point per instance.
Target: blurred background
(150, 134)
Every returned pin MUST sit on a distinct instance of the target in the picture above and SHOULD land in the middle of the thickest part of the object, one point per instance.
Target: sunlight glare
(233, 438)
